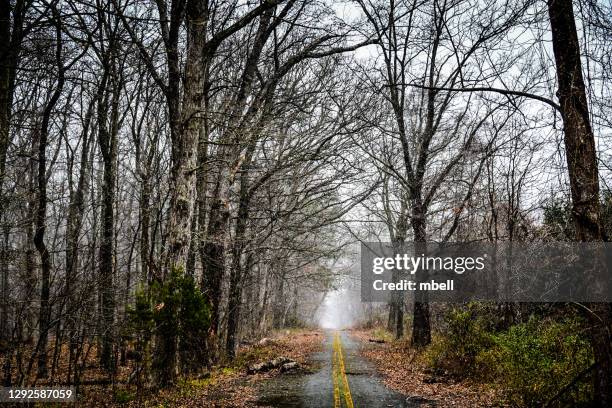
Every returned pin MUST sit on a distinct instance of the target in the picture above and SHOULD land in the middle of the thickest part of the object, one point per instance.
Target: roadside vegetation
(228, 384)
(543, 358)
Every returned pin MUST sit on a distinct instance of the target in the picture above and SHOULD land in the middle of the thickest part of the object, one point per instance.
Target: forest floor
(225, 386)
(404, 372)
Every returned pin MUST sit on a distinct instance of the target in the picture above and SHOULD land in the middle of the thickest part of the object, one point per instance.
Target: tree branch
(491, 89)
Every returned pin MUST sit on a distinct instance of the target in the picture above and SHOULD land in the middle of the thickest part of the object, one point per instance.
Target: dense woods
(180, 177)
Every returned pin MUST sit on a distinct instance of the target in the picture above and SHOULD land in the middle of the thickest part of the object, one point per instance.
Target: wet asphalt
(316, 389)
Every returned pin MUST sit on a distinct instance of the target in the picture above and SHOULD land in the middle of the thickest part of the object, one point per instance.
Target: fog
(342, 308)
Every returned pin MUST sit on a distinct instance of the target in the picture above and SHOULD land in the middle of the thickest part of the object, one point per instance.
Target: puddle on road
(278, 401)
(284, 391)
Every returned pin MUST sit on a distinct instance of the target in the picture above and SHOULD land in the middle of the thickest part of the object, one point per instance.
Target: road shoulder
(402, 371)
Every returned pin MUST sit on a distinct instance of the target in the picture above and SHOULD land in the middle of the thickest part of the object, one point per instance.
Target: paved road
(344, 380)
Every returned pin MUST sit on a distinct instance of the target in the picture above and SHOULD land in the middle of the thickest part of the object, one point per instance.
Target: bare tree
(582, 168)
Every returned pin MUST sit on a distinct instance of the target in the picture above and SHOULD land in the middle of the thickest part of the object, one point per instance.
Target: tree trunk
(235, 292)
(10, 47)
(201, 188)
(185, 140)
(145, 222)
(391, 317)
(396, 312)
(213, 260)
(182, 176)
(5, 330)
(579, 140)
(107, 139)
(279, 304)
(583, 172)
(421, 327)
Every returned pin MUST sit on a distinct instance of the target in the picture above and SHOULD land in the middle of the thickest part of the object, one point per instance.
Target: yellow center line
(335, 378)
(347, 390)
(339, 375)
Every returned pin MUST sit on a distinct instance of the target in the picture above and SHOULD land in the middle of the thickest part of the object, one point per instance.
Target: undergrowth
(542, 360)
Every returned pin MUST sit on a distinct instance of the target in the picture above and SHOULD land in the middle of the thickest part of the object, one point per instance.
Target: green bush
(175, 308)
(194, 322)
(467, 333)
(533, 361)
(529, 362)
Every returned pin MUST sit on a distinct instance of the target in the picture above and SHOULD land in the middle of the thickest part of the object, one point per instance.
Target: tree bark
(185, 139)
(421, 327)
(578, 135)
(235, 292)
(581, 159)
(10, 48)
(107, 139)
(185, 128)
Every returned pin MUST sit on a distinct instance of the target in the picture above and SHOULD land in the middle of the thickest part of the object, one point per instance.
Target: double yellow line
(341, 384)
